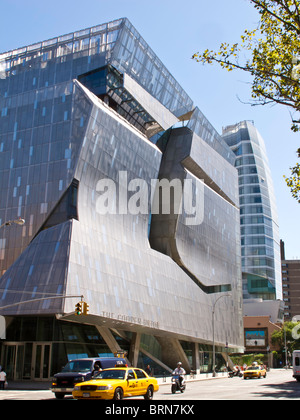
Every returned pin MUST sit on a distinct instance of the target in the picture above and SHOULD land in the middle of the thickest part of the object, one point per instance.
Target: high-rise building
(258, 214)
(91, 123)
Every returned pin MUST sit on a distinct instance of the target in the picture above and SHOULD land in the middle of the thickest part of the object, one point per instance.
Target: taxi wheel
(149, 393)
(118, 394)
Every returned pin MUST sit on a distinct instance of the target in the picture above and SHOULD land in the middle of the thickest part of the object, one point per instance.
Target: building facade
(95, 133)
(258, 337)
(258, 214)
(290, 286)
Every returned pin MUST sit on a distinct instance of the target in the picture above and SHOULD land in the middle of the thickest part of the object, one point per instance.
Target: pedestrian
(2, 379)
(148, 370)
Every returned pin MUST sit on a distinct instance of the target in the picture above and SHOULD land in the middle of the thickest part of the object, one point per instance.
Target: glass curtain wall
(258, 214)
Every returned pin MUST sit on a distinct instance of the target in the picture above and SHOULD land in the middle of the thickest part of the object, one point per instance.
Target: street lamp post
(213, 328)
(285, 346)
(19, 222)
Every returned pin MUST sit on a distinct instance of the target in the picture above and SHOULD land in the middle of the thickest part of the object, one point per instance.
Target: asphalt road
(279, 385)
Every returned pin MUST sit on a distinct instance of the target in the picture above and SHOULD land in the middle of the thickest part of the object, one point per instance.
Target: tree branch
(260, 5)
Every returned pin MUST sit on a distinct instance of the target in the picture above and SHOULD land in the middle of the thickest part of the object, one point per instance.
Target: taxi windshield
(254, 368)
(111, 374)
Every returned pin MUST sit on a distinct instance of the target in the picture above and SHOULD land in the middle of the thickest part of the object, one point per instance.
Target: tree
(278, 337)
(294, 180)
(273, 60)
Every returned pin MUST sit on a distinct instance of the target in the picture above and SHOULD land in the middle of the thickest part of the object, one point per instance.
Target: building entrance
(14, 361)
(27, 361)
(41, 359)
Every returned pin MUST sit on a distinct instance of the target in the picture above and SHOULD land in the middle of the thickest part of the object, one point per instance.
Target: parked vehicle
(296, 365)
(176, 386)
(81, 370)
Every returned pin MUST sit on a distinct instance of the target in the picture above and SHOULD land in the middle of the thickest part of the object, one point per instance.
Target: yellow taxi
(116, 384)
(255, 371)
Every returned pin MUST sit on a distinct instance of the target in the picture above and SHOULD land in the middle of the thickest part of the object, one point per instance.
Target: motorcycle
(235, 373)
(176, 384)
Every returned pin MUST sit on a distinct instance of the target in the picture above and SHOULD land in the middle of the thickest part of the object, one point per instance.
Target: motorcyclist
(237, 370)
(180, 372)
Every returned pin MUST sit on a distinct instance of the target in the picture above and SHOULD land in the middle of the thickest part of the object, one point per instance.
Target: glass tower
(260, 242)
(88, 111)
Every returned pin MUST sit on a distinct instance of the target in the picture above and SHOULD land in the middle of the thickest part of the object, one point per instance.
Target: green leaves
(271, 54)
(270, 50)
(278, 337)
(293, 182)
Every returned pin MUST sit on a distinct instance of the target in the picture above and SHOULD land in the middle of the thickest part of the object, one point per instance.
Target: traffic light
(82, 308)
(78, 308)
(85, 309)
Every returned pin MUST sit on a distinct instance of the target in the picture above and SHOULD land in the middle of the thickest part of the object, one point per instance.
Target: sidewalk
(28, 385)
(194, 378)
(46, 385)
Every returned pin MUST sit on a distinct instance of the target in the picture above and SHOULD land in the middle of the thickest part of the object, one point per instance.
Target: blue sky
(176, 29)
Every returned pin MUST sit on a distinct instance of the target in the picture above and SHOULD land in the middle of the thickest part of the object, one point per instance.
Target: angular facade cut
(130, 199)
(261, 262)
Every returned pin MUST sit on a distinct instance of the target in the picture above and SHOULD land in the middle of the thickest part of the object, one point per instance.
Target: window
(4, 112)
(140, 374)
(130, 375)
